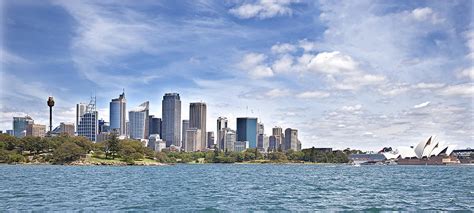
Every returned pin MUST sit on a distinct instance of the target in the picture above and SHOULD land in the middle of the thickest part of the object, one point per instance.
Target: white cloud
(7, 57)
(283, 48)
(424, 104)
(469, 36)
(428, 85)
(254, 64)
(306, 45)
(274, 93)
(424, 14)
(284, 64)
(313, 94)
(463, 90)
(468, 72)
(263, 9)
(332, 63)
(354, 108)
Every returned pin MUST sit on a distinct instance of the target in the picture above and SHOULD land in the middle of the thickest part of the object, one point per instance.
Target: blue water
(216, 187)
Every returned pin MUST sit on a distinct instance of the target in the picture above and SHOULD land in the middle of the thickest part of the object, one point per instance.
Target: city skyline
(393, 75)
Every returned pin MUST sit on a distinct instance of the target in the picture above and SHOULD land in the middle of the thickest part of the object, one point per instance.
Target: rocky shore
(115, 163)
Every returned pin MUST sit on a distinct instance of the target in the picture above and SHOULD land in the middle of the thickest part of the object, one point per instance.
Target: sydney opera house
(429, 152)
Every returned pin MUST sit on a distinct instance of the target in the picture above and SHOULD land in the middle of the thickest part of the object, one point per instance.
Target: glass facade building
(138, 124)
(20, 124)
(171, 115)
(247, 131)
(118, 115)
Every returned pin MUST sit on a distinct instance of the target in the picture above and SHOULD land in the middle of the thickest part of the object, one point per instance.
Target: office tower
(193, 140)
(247, 131)
(260, 129)
(66, 128)
(262, 143)
(221, 124)
(279, 138)
(10, 132)
(171, 115)
(89, 123)
(20, 124)
(118, 113)
(80, 110)
(210, 140)
(103, 126)
(291, 139)
(230, 137)
(197, 119)
(240, 146)
(183, 136)
(155, 125)
(36, 130)
(138, 123)
(272, 143)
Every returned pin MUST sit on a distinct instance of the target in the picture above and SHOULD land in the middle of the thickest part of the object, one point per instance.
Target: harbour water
(218, 187)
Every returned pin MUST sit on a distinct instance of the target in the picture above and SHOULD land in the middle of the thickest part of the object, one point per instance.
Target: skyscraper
(171, 115)
(20, 124)
(210, 140)
(118, 110)
(193, 140)
(138, 123)
(183, 136)
(247, 131)
(89, 123)
(80, 110)
(155, 125)
(36, 130)
(221, 125)
(230, 139)
(197, 119)
(260, 129)
(66, 128)
(291, 139)
(279, 138)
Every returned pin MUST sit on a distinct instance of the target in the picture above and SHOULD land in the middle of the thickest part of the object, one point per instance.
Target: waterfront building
(193, 140)
(263, 143)
(20, 124)
(185, 128)
(221, 125)
(66, 128)
(240, 146)
(102, 136)
(36, 130)
(171, 115)
(197, 119)
(230, 140)
(154, 125)
(247, 131)
(291, 139)
(138, 124)
(118, 113)
(103, 126)
(279, 138)
(89, 123)
(272, 143)
(155, 143)
(210, 140)
(80, 110)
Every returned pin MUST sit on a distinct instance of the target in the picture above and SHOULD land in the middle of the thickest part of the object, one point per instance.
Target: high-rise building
(193, 140)
(155, 125)
(155, 143)
(279, 138)
(36, 130)
(272, 143)
(183, 136)
(197, 119)
(10, 132)
(89, 123)
(20, 124)
(260, 129)
(80, 110)
(221, 125)
(230, 138)
(247, 131)
(103, 126)
(210, 140)
(171, 115)
(240, 146)
(291, 139)
(263, 143)
(118, 113)
(66, 128)
(138, 123)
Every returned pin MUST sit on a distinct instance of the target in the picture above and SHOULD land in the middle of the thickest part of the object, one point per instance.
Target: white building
(240, 146)
(138, 123)
(193, 140)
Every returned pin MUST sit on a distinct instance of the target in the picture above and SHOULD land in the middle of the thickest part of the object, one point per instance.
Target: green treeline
(65, 149)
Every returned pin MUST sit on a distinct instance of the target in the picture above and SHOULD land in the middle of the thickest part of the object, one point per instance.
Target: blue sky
(361, 74)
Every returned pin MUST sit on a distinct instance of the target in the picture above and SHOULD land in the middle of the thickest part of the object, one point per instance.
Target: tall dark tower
(50, 104)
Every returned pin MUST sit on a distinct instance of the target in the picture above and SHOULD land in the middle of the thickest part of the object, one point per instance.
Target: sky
(361, 74)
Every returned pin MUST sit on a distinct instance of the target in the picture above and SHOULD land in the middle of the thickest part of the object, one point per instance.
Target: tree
(10, 142)
(67, 152)
(112, 146)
